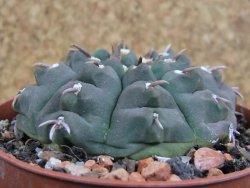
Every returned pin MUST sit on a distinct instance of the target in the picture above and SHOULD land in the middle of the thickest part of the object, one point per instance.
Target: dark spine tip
(139, 61)
(81, 50)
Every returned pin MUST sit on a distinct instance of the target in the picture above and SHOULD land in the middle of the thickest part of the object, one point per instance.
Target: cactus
(120, 105)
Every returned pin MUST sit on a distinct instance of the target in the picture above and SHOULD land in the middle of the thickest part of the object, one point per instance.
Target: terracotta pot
(15, 173)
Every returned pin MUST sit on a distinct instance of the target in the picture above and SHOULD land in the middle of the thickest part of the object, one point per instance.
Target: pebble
(100, 170)
(46, 155)
(248, 147)
(89, 164)
(191, 153)
(97, 171)
(118, 164)
(105, 161)
(4, 124)
(206, 158)
(214, 172)
(76, 170)
(228, 157)
(51, 163)
(130, 165)
(156, 171)
(230, 146)
(244, 153)
(7, 135)
(248, 132)
(79, 163)
(144, 163)
(118, 174)
(136, 177)
(61, 165)
(174, 177)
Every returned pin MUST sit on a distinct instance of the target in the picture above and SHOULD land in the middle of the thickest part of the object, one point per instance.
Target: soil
(27, 150)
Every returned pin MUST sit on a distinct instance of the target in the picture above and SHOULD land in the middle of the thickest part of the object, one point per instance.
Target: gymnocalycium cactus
(120, 105)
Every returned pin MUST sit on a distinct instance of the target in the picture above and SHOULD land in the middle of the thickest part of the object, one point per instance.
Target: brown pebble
(98, 171)
(214, 172)
(156, 171)
(174, 177)
(8, 135)
(89, 164)
(228, 157)
(105, 161)
(191, 153)
(46, 155)
(76, 170)
(144, 163)
(206, 158)
(118, 174)
(61, 165)
(136, 176)
(230, 145)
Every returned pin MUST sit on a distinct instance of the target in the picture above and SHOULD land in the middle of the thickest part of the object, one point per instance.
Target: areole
(15, 173)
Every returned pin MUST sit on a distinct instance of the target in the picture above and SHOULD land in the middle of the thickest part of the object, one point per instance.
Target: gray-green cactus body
(110, 104)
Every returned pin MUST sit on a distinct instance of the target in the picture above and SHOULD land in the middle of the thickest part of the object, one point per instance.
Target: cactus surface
(124, 106)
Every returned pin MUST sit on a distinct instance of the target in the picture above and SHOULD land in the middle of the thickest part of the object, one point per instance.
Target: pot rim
(10, 159)
(102, 182)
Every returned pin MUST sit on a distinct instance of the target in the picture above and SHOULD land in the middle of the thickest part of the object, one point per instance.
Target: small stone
(228, 157)
(244, 153)
(184, 170)
(191, 153)
(248, 132)
(100, 170)
(46, 155)
(38, 149)
(206, 158)
(144, 163)
(136, 176)
(105, 161)
(89, 164)
(7, 135)
(230, 146)
(4, 124)
(79, 163)
(119, 164)
(51, 163)
(119, 174)
(130, 165)
(33, 164)
(76, 170)
(174, 177)
(61, 165)
(248, 147)
(214, 172)
(156, 171)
